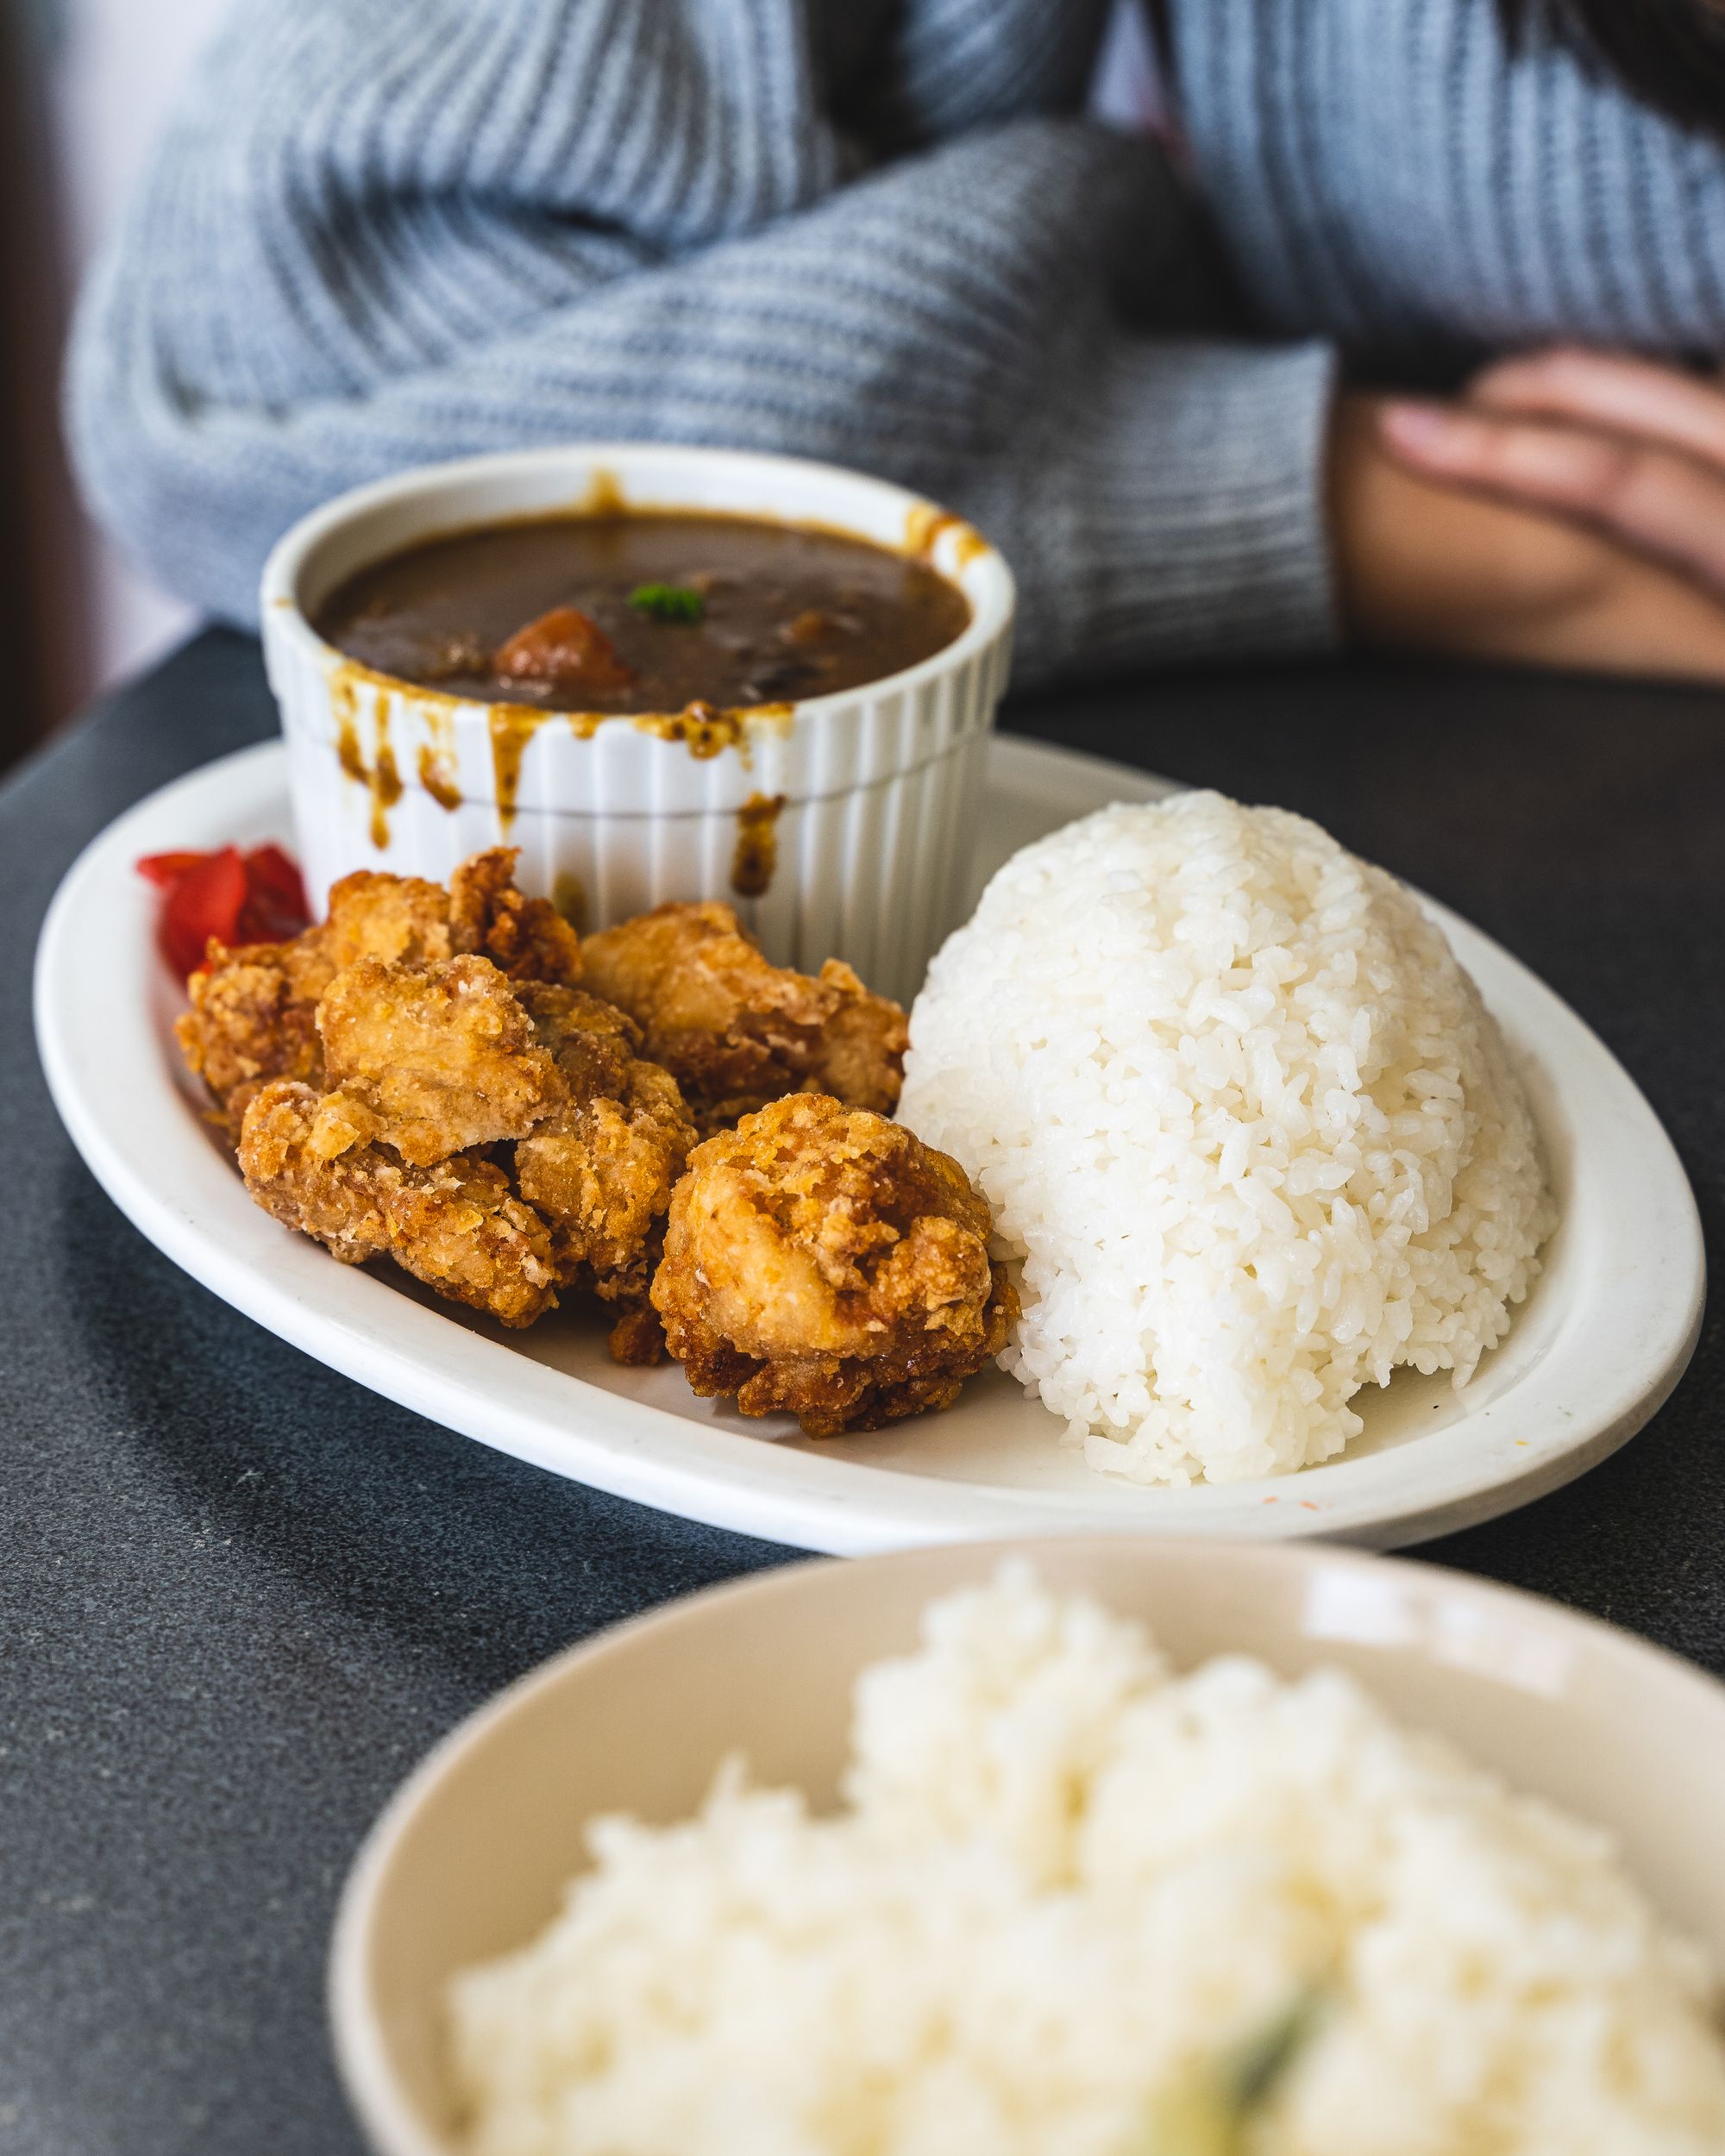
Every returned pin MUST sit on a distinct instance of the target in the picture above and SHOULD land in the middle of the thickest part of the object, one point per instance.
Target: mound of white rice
(1072, 1897)
(1244, 1119)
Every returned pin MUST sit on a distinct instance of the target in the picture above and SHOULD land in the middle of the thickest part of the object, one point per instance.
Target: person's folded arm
(385, 235)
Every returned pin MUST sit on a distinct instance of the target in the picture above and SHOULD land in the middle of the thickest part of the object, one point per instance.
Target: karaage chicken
(526, 938)
(822, 1261)
(737, 1032)
(252, 1015)
(601, 1165)
(455, 1225)
(449, 1079)
(424, 1066)
(433, 1059)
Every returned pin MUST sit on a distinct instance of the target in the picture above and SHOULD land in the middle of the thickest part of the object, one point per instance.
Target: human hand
(1624, 446)
(1433, 560)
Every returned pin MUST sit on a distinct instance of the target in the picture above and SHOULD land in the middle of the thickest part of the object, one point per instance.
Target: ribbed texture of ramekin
(882, 790)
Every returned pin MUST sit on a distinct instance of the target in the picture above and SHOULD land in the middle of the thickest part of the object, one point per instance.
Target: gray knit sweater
(383, 231)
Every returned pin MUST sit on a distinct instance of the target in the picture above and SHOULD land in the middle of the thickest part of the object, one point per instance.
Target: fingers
(1448, 568)
(1663, 502)
(1655, 403)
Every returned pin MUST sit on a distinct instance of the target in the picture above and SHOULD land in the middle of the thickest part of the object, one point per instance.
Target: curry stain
(757, 852)
(348, 754)
(604, 496)
(569, 896)
(385, 778)
(705, 729)
(436, 706)
(381, 778)
(438, 762)
(926, 525)
(512, 726)
(435, 777)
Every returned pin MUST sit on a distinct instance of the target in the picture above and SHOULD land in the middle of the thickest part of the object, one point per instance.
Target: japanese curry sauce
(642, 612)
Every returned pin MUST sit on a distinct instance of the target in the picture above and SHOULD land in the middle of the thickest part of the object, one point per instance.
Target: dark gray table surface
(238, 1595)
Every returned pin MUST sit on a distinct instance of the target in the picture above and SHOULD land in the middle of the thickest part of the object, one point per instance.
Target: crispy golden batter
(434, 1059)
(823, 1261)
(526, 938)
(406, 919)
(400, 920)
(364, 1066)
(455, 1225)
(736, 1031)
(252, 1015)
(601, 1165)
(637, 1338)
(251, 1020)
(423, 1064)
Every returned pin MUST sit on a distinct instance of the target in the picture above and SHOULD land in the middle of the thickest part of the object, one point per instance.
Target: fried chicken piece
(427, 1061)
(456, 1226)
(432, 1059)
(404, 919)
(526, 938)
(601, 1166)
(736, 1031)
(254, 1009)
(638, 1339)
(823, 1261)
(252, 1015)
(399, 921)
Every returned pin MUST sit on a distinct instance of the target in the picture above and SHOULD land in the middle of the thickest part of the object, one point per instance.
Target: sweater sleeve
(412, 229)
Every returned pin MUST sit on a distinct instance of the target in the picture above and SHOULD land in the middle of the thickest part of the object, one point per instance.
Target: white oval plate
(1599, 1343)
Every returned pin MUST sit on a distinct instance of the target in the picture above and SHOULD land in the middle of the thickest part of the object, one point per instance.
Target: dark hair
(1670, 53)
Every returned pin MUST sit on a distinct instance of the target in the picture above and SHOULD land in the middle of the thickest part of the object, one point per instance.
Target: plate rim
(739, 1483)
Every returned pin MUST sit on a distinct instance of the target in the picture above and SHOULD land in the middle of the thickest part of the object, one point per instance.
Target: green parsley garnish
(1210, 2109)
(669, 602)
(1258, 2066)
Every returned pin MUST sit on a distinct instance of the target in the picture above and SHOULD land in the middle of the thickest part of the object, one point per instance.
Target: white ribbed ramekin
(879, 786)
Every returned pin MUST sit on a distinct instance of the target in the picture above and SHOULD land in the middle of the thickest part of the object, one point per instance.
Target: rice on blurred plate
(1080, 1907)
